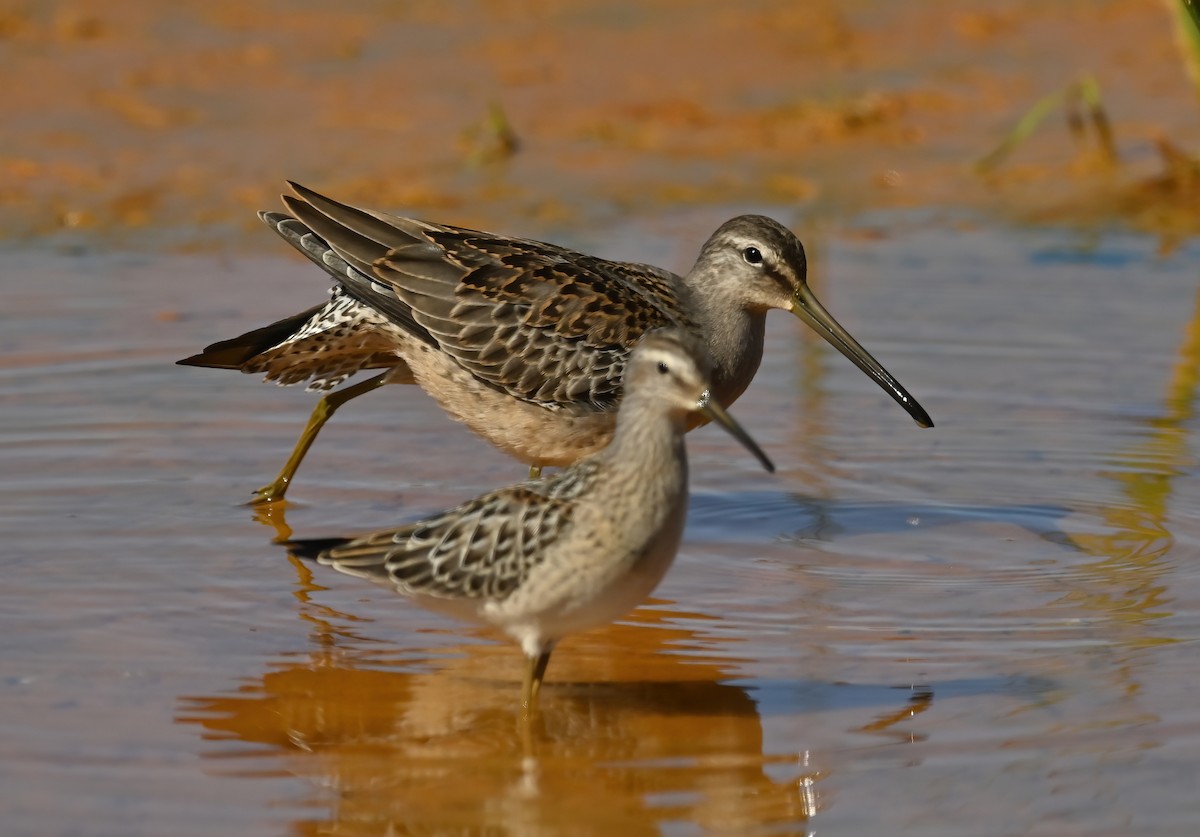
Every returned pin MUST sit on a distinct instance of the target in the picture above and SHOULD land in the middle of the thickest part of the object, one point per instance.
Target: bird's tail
(238, 351)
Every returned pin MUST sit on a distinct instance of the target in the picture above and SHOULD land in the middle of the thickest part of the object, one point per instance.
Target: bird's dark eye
(752, 255)
(662, 368)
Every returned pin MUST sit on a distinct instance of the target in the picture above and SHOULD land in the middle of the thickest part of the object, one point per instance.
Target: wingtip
(299, 190)
(302, 198)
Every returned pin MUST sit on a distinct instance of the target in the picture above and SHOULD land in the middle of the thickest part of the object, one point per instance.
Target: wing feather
(481, 549)
(540, 322)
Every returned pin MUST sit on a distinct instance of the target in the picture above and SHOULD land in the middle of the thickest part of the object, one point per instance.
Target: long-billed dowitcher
(545, 558)
(522, 341)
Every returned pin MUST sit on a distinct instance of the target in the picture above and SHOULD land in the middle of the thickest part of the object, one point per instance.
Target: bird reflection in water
(634, 734)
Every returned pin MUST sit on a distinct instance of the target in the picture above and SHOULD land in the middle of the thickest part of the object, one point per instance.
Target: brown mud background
(985, 628)
(139, 121)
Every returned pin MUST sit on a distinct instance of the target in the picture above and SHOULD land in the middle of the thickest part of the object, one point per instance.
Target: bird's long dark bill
(808, 308)
(717, 413)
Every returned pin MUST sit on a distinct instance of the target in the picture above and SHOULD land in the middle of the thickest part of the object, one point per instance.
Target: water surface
(985, 628)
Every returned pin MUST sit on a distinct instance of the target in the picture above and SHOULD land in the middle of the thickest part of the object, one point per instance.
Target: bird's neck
(734, 337)
(648, 444)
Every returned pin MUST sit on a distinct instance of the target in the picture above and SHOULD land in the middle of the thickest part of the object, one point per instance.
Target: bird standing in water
(545, 558)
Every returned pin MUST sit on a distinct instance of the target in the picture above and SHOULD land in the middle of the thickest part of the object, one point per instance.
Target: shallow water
(985, 628)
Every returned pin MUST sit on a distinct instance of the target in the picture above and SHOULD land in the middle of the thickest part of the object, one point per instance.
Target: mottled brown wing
(541, 325)
(539, 322)
(482, 549)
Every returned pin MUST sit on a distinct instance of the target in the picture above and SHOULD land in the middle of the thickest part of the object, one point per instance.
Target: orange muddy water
(986, 628)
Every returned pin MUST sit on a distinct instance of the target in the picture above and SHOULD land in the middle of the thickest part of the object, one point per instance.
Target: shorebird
(578, 549)
(522, 341)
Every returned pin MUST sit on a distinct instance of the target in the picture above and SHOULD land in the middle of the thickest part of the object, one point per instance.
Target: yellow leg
(324, 410)
(535, 471)
(535, 669)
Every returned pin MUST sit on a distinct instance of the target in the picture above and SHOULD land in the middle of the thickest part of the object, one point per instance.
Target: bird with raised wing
(524, 342)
